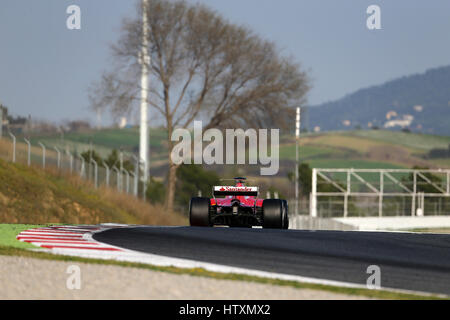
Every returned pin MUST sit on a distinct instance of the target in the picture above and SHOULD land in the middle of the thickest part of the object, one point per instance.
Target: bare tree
(201, 66)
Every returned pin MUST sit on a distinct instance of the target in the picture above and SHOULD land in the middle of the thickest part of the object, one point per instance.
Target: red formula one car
(238, 206)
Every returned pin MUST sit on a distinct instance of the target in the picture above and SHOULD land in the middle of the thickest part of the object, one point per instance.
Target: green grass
(351, 163)
(73, 146)
(198, 272)
(110, 138)
(443, 163)
(8, 233)
(411, 140)
(104, 141)
(287, 152)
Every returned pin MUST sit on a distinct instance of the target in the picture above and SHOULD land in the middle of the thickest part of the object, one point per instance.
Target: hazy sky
(45, 68)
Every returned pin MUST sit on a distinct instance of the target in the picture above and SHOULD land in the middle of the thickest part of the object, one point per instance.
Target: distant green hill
(419, 102)
(107, 139)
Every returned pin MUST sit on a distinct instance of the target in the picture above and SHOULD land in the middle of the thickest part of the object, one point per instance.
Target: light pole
(144, 60)
(297, 140)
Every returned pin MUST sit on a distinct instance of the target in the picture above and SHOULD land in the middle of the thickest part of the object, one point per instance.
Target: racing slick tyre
(272, 214)
(199, 212)
(285, 216)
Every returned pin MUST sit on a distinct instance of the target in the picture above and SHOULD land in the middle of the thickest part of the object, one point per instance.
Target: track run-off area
(407, 261)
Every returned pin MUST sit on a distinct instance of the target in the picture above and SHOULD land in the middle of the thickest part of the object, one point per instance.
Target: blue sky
(45, 69)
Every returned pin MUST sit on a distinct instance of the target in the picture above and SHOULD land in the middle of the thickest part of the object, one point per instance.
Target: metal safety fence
(39, 155)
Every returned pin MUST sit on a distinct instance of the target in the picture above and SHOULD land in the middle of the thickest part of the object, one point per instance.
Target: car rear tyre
(285, 216)
(273, 214)
(199, 209)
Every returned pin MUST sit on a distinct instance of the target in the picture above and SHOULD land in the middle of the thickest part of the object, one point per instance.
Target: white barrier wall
(369, 224)
(309, 223)
(397, 223)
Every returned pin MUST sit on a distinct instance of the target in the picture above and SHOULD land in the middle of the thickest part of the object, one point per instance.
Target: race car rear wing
(235, 191)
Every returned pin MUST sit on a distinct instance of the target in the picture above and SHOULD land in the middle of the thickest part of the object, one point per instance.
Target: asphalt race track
(419, 262)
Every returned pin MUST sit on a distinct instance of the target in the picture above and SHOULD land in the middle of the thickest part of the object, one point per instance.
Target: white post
(59, 156)
(297, 139)
(29, 151)
(349, 190)
(421, 204)
(136, 175)
(380, 200)
(135, 193)
(43, 154)
(107, 173)
(83, 168)
(448, 182)
(313, 207)
(14, 146)
(145, 63)
(118, 177)
(128, 181)
(413, 204)
(95, 173)
(121, 167)
(70, 161)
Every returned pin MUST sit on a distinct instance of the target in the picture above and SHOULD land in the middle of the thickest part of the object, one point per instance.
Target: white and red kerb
(65, 237)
